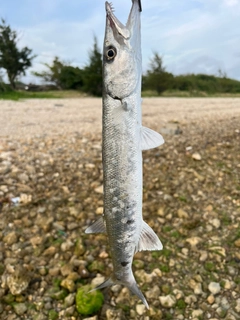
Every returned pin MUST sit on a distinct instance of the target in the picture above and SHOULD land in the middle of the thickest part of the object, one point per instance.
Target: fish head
(122, 60)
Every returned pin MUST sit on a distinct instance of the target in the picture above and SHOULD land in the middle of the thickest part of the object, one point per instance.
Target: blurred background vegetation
(60, 76)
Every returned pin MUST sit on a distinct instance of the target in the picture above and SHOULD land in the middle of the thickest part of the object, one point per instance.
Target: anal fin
(148, 239)
(97, 227)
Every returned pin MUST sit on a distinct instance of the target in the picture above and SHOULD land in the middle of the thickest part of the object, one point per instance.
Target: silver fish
(124, 138)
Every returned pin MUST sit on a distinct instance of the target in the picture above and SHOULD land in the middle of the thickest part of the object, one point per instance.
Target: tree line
(88, 79)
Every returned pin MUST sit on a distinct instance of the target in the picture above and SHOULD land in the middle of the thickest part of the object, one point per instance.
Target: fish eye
(111, 53)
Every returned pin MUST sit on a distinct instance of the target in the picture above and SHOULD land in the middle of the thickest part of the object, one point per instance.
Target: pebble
(153, 293)
(197, 313)
(97, 281)
(62, 192)
(145, 277)
(69, 300)
(65, 246)
(140, 308)
(10, 238)
(196, 156)
(99, 189)
(114, 314)
(211, 299)
(214, 287)
(20, 308)
(50, 251)
(182, 214)
(99, 210)
(167, 301)
(17, 282)
(237, 243)
(198, 289)
(68, 284)
(216, 223)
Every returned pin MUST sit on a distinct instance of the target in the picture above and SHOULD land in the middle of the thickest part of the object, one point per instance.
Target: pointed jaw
(132, 23)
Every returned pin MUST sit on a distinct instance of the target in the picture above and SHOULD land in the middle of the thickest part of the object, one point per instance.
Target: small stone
(20, 308)
(25, 198)
(198, 289)
(79, 248)
(197, 313)
(160, 212)
(153, 293)
(73, 225)
(23, 177)
(227, 284)
(221, 312)
(65, 246)
(123, 297)
(182, 214)
(196, 156)
(145, 277)
(97, 281)
(99, 210)
(194, 241)
(211, 299)
(203, 256)
(237, 243)
(216, 223)
(66, 269)
(167, 301)
(73, 276)
(10, 238)
(140, 308)
(103, 255)
(68, 284)
(99, 189)
(35, 241)
(54, 271)
(50, 251)
(69, 300)
(90, 165)
(18, 281)
(65, 189)
(237, 307)
(214, 288)
(113, 314)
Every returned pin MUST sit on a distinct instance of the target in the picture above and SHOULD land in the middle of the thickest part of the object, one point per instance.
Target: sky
(193, 36)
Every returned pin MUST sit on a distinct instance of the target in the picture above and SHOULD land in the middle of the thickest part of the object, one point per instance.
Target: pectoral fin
(150, 139)
(148, 239)
(97, 227)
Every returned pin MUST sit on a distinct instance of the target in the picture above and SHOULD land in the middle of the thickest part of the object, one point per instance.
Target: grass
(188, 94)
(17, 95)
(67, 94)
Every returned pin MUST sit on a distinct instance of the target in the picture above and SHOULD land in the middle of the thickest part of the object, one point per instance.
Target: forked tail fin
(131, 285)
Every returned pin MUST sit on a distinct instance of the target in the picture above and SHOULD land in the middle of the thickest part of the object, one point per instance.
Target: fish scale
(124, 138)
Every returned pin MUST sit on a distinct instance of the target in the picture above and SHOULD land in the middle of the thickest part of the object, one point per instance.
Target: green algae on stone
(88, 303)
(52, 315)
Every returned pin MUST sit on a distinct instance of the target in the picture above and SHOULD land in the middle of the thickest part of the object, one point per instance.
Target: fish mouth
(114, 23)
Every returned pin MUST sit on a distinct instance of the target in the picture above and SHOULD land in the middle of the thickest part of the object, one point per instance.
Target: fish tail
(131, 285)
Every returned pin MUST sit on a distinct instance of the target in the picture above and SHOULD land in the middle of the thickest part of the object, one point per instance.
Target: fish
(123, 140)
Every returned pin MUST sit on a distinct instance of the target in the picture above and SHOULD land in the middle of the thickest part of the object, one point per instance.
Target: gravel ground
(50, 161)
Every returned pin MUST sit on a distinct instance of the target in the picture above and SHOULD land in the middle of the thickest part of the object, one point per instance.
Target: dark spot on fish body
(130, 221)
(124, 263)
